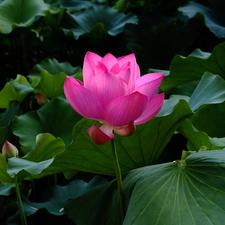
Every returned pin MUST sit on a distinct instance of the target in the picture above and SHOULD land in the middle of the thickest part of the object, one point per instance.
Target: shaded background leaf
(20, 13)
(112, 21)
(51, 118)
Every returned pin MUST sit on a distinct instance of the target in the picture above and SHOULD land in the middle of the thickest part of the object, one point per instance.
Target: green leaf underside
(189, 192)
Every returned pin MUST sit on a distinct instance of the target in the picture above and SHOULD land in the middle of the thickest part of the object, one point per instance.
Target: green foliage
(191, 68)
(59, 195)
(97, 22)
(51, 118)
(210, 14)
(19, 13)
(181, 192)
(172, 166)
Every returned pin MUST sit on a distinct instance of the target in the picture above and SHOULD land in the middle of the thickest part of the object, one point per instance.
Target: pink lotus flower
(114, 93)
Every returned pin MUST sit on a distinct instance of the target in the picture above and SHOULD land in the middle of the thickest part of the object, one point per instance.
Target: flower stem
(119, 180)
(19, 201)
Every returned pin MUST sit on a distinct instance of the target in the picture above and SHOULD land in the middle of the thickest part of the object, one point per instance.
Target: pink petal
(109, 60)
(153, 107)
(121, 111)
(82, 100)
(134, 68)
(100, 135)
(149, 84)
(115, 69)
(90, 62)
(125, 74)
(99, 69)
(107, 87)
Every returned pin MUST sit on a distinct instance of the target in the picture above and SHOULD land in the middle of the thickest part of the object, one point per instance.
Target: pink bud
(41, 99)
(127, 130)
(9, 150)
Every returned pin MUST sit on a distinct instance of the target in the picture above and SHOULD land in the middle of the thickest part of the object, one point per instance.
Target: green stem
(19, 201)
(119, 180)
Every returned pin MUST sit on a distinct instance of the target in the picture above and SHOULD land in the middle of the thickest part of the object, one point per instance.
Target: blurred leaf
(59, 195)
(6, 189)
(105, 202)
(22, 85)
(196, 139)
(75, 5)
(213, 20)
(51, 86)
(24, 168)
(101, 18)
(192, 67)
(184, 192)
(142, 148)
(210, 119)
(218, 141)
(53, 67)
(4, 176)
(210, 90)
(20, 13)
(8, 94)
(56, 117)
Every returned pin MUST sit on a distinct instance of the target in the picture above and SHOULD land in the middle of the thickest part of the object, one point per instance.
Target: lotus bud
(41, 99)
(9, 150)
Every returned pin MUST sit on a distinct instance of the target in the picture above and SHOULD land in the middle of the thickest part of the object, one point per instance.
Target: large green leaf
(20, 13)
(213, 20)
(48, 77)
(210, 90)
(196, 139)
(47, 147)
(103, 199)
(51, 86)
(38, 159)
(56, 117)
(184, 192)
(191, 68)
(53, 67)
(8, 94)
(210, 119)
(75, 5)
(57, 196)
(142, 148)
(24, 169)
(22, 85)
(102, 19)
